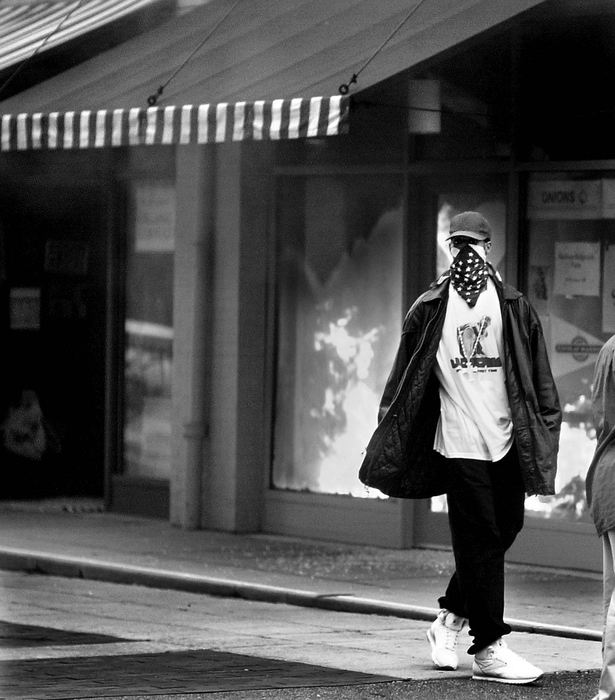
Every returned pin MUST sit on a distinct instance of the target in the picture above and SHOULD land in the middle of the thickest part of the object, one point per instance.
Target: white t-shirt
(475, 418)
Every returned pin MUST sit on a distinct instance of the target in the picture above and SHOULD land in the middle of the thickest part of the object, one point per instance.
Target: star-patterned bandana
(469, 274)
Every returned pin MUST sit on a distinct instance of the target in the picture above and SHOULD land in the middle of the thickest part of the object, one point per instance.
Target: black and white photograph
(307, 352)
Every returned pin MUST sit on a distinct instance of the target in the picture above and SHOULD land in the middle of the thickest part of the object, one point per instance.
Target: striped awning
(29, 26)
(167, 125)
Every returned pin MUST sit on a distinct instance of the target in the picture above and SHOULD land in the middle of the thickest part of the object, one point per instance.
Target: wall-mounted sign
(154, 217)
(25, 308)
(577, 269)
(565, 199)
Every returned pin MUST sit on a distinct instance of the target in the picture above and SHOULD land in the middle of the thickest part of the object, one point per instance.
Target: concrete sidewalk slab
(403, 583)
(136, 622)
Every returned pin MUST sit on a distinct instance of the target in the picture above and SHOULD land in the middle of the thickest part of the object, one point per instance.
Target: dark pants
(485, 512)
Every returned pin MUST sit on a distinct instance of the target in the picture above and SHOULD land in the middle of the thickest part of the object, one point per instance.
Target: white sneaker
(498, 663)
(442, 636)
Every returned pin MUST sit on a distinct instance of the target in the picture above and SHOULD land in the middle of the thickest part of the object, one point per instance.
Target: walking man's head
(469, 228)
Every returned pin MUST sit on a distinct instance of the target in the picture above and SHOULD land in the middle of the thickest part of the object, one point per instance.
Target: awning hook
(153, 99)
(344, 88)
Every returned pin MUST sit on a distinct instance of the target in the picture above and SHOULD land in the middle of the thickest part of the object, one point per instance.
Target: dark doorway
(53, 273)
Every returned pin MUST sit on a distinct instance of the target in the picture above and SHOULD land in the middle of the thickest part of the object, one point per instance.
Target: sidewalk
(342, 577)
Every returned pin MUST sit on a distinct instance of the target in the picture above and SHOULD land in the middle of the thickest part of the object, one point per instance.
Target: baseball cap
(470, 224)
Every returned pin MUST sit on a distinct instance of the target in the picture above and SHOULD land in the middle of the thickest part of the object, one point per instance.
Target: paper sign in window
(577, 269)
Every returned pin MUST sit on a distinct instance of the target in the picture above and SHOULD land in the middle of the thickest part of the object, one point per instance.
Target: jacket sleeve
(544, 384)
(409, 338)
(603, 391)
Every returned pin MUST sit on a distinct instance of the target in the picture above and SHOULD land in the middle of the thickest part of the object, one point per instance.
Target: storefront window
(149, 331)
(339, 311)
(571, 227)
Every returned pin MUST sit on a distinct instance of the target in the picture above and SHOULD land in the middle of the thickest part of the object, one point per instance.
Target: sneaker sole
(514, 681)
(433, 654)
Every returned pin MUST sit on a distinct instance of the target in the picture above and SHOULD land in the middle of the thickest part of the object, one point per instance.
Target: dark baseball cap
(470, 224)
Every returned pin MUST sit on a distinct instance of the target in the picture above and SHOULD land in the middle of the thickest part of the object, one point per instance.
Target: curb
(92, 569)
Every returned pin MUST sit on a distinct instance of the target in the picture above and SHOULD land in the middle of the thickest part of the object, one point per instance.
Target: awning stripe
(314, 116)
(276, 119)
(53, 130)
(206, 123)
(304, 119)
(238, 121)
(203, 123)
(258, 120)
(36, 131)
(22, 131)
(221, 116)
(186, 124)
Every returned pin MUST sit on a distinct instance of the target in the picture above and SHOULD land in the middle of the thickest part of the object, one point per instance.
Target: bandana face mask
(469, 273)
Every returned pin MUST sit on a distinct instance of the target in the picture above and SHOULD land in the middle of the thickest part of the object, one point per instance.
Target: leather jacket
(599, 480)
(400, 459)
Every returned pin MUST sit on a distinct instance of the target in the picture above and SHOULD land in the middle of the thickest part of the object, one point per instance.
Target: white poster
(577, 269)
(608, 290)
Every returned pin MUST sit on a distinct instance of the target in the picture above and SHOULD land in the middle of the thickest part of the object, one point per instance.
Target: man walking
(470, 409)
(600, 486)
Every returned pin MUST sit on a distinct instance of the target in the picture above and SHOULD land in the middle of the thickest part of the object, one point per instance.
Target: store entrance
(53, 267)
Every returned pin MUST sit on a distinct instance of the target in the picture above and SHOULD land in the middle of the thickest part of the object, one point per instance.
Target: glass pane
(339, 315)
(149, 332)
(571, 244)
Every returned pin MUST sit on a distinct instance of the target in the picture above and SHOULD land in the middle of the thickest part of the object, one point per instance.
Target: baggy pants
(486, 503)
(606, 687)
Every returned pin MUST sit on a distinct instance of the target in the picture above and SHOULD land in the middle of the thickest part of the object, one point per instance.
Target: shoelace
(451, 638)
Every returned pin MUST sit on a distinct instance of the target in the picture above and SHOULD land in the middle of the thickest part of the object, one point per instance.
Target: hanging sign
(577, 269)
(565, 199)
(608, 290)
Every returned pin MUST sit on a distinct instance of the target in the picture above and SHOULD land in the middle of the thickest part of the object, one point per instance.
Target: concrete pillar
(195, 176)
(238, 418)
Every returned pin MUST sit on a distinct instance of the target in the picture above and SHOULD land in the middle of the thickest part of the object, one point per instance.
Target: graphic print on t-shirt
(475, 420)
(470, 338)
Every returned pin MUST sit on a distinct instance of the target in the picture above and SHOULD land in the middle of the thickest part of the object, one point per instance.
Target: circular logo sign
(579, 348)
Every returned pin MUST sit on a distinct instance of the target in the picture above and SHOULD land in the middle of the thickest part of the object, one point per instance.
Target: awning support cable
(45, 40)
(344, 88)
(153, 99)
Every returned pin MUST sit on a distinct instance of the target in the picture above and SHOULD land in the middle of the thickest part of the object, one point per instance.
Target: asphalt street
(74, 638)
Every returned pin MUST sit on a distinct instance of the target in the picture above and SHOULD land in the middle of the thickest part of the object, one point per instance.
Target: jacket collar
(439, 287)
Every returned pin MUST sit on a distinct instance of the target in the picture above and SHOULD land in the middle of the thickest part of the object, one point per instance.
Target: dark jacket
(600, 479)
(400, 459)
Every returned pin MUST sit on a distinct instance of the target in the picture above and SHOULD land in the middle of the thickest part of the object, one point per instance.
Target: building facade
(216, 322)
